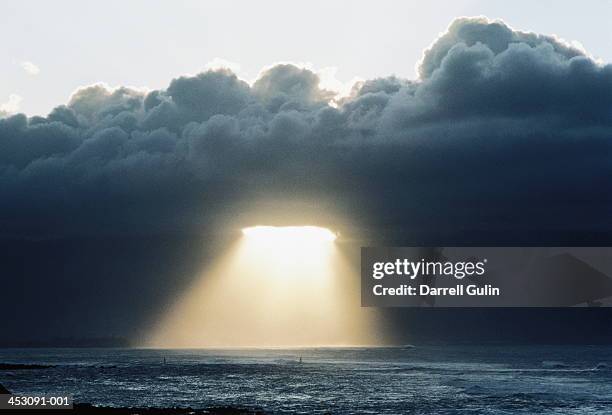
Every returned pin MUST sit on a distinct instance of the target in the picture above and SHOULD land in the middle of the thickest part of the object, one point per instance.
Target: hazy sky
(49, 49)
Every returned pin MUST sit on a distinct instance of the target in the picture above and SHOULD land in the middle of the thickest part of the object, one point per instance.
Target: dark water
(422, 380)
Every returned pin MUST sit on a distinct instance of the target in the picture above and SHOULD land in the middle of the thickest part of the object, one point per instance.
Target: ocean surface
(420, 380)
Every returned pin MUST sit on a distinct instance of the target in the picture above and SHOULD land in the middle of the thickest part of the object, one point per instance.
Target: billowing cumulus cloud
(502, 129)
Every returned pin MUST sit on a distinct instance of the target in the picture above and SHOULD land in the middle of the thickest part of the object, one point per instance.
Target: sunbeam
(278, 287)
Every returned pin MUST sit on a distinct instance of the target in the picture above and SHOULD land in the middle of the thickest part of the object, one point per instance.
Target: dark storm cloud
(502, 129)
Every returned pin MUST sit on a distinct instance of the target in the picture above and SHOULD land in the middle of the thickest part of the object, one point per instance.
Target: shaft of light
(279, 286)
